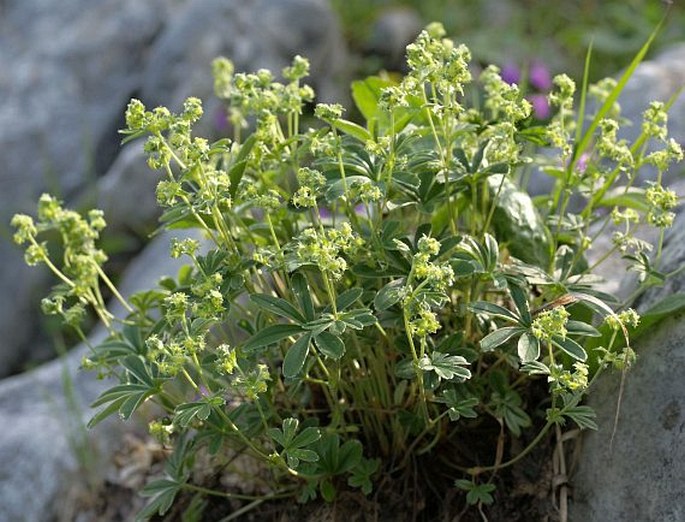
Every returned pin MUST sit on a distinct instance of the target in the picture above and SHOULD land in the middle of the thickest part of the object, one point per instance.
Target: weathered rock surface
(392, 32)
(67, 72)
(41, 439)
(642, 477)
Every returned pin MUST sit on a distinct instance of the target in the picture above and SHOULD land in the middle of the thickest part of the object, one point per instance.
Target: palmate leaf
(491, 309)
(271, 335)
(459, 404)
(163, 492)
(278, 306)
(528, 348)
(335, 458)
(294, 444)
(353, 129)
(499, 337)
(583, 416)
(296, 356)
(185, 413)
(507, 406)
(361, 475)
(124, 398)
(446, 366)
(347, 298)
(570, 347)
(476, 493)
(517, 222)
(330, 345)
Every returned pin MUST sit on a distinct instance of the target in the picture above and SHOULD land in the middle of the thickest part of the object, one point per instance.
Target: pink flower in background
(510, 73)
(581, 164)
(221, 120)
(541, 108)
(539, 76)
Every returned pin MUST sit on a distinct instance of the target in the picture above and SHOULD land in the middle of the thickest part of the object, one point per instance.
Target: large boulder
(43, 414)
(67, 72)
(254, 34)
(638, 471)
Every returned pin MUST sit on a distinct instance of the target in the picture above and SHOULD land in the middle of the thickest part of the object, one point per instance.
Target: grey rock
(641, 476)
(392, 32)
(254, 34)
(66, 73)
(40, 426)
(126, 194)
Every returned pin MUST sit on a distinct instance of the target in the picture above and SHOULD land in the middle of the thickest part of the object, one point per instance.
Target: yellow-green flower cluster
(663, 158)
(253, 383)
(435, 59)
(269, 201)
(425, 322)
(169, 357)
(655, 121)
(81, 257)
(550, 323)
(365, 191)
(324, 249)
(564, 379)
(504, 100)
(187, 247)
(439, 276)
(661, 202)
(227, 359)
(609, 146)
(311, 182)
(209, 301)
(623, 319)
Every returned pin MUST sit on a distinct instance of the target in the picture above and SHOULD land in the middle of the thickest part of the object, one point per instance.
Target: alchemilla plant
(362, 299)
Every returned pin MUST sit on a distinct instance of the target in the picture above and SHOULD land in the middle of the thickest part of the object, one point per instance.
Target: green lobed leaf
(570, 347)
(347, 298)
(446, 366)
(272, 335)
(352, 129)
(491, 309)
(528, 348)
(237, 170)
(295, 357)
(583, 416)
(499, 337)
(303, 294)
(581, 328)
(278, 306)
(389, 295)
(163, 493)
(366, 94)
(330, 345)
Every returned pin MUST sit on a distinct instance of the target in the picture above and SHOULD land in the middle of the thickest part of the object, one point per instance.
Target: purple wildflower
(540, 77)
(541, 109)
(511, 74)
(582, 162)
(221, 120)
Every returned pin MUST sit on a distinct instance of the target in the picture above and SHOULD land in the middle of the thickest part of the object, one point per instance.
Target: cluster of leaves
(362, 293)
